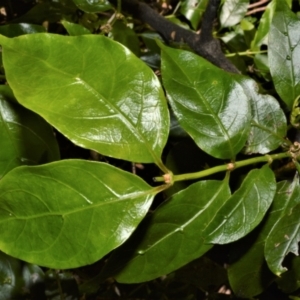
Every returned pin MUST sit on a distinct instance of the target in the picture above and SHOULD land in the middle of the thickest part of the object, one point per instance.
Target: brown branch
(257, 3)
(204, 44)
(256, 10)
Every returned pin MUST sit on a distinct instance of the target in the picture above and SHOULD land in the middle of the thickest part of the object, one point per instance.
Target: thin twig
(254, 11)
(257, 3)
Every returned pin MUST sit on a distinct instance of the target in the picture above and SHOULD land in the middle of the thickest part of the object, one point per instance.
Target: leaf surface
(232, 12)
(245, 209)
(69, 213)
(210, 105)
(93, 6)
(75, 29)
(93, 90)
(171, 237)
(268, 125)
(284, 53)
(25, 138)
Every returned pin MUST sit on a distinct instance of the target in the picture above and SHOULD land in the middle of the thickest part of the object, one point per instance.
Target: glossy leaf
(245, 209)
(283, 239)
(75, 29)
(13, 30)
(106, 100)
(210, 105)
(268, 125)
(93, 6)
(284, 53)
(262, 33)
(25, 138)
(171, 237)
(69, 213)
(193, 11)
(232, 12)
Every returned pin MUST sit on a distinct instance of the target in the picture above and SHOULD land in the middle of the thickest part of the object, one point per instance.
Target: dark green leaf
(210, 105)
(75, 29)
(69, 213)
(25, 138)
(171, 237)
(13, 30)
(284, 53)
(93, 6)
(245, 209)
(269, 125)
(93, 90)
(232, 12)
(193, 10)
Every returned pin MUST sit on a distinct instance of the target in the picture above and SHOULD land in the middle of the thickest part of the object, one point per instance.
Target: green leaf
(210, 105)
(69, 213)
(193, 11)
(93, 6)
(171, 237)
(13, 30)
(284, 53)
(283, 239)
(262, 33)
(93, 90)
(245, 209)
(232, 12)
(75, 29)
(268, 125)
(25, 138)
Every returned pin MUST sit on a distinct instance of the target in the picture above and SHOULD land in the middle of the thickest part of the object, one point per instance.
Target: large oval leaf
(284, 53)
(171, 237)
(210, 105)
(69, 213)
(25, 138)
(245, 209)
(93, 90)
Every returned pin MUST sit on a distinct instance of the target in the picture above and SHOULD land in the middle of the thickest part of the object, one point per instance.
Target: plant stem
(246, 53)
(227, 167)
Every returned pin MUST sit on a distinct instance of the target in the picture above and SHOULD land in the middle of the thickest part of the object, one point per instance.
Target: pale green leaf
(210, 105)
(75, 29)
(232, 12)
(69, 213)
(93, 90)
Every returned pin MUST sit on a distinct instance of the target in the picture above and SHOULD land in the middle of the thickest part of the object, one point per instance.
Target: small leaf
(25, 138)
(284, 53)
(269, 124)
(93, 6)
(75, 29)
(69, 213)
(210, 105)
(193, 11)
(282, 240)
(171, 237)
(93, 90)
(232, 12)
(262, 33)
(245, 209)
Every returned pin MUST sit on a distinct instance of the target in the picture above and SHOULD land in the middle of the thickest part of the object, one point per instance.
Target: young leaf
(93, 90)
(69, 213)
(282, 240)
(245, 209)
(284, 53)
(232, 12)
(75, 29)
(25, 138)
(268, 125)
(210, 105)
(171, 237)
(93, 6)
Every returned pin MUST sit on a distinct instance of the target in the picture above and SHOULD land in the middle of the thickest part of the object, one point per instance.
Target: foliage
(81, 81)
